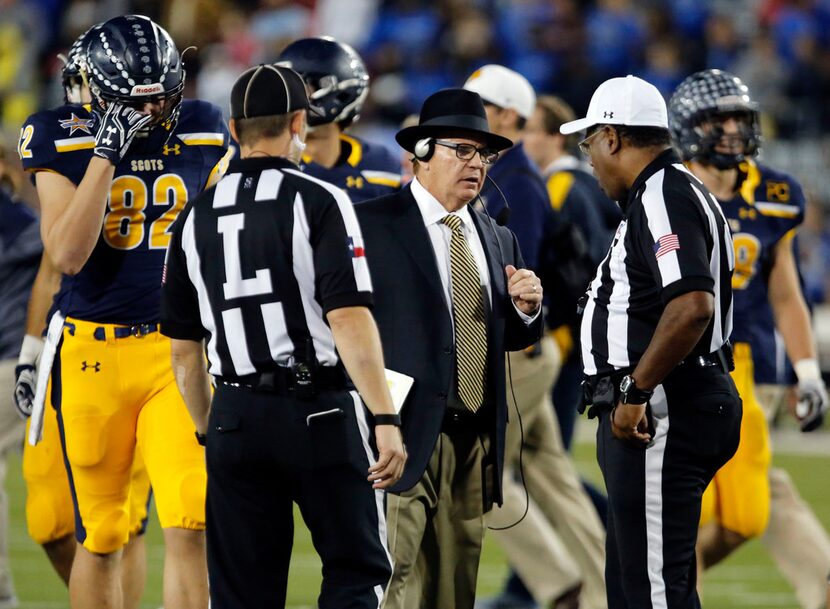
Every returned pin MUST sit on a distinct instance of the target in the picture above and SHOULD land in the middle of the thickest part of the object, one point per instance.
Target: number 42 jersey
(121, 281)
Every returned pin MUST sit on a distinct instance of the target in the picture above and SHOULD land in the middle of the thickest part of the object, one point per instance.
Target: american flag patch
(666, 244)
(355, 245)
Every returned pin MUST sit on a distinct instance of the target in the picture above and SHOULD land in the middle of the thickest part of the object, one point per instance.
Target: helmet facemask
(133, 61)
(698, 109)
(335, 77)
(73, 73)
(727, 150)
(332, 95)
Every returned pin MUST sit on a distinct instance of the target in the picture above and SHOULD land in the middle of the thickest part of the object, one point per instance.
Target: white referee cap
(504, 88)
(623, 101)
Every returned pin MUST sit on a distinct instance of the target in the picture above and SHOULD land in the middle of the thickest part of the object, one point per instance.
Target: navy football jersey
(768, 208)
(364, 170)
(121, 281)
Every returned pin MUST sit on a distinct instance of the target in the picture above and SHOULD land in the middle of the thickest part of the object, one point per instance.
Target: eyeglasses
(465, 152)
(585, 146)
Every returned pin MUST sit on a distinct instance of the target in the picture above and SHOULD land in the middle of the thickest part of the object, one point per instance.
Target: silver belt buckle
(141, 330)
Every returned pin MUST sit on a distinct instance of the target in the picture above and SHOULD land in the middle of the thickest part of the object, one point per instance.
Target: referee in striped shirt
(654, 347)
(267, 269)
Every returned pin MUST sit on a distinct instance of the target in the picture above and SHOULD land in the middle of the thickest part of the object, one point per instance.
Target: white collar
(431, 210)
(564, 163)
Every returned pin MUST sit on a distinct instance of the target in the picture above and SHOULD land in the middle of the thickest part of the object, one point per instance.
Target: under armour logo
(354, 182)
(607, 115)
(96, 366)
(174, 149)
(108, 140)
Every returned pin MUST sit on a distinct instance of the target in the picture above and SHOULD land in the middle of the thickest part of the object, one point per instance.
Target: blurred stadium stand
(781, 49)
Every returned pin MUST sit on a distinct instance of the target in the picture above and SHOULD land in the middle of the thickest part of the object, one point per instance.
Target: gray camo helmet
(705, 96)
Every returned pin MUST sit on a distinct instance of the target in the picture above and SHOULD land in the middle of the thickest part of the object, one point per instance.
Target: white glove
(118, 127)
(812, 402)
(26, 375)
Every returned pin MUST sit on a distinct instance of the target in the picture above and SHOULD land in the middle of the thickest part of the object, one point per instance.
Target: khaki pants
(795, 539)
(11, 438)
(561, 541)
(435, 529)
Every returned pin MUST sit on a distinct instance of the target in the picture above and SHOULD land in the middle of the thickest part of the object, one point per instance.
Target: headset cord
(504, 215)
(521, 452)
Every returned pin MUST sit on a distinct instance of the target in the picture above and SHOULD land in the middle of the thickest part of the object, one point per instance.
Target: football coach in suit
(451, 296)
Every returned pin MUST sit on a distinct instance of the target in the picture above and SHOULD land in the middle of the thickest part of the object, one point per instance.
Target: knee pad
(107, 536)
(49, 516)
(185, 506)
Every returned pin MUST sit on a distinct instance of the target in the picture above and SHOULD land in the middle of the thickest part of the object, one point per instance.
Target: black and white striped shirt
(673, 239)
(256, 262)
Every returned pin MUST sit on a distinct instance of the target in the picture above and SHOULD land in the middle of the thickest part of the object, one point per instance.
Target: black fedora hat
(451, 110)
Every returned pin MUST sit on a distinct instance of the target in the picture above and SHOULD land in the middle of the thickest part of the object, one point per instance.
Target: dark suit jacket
(416, 326)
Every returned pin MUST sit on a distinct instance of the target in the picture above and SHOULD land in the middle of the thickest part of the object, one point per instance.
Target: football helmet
(696, 111)
(133, 60)
(335, 76)
(72, 76)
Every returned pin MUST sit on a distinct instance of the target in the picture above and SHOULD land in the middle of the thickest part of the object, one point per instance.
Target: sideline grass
(747, 579)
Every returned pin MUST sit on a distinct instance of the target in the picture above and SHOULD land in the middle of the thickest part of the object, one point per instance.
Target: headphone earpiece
(424, 148)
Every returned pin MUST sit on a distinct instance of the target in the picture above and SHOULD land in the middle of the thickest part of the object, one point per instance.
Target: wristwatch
(631, 394)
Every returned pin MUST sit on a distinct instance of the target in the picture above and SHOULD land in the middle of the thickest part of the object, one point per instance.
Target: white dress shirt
(439, 234)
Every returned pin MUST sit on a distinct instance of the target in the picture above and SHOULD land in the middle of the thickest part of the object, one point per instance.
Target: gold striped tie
(468, 315)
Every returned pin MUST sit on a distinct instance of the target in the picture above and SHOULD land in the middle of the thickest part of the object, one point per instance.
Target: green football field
(747, 579)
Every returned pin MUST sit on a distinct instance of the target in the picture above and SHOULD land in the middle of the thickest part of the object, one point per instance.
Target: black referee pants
(654, 494)
(263, 454)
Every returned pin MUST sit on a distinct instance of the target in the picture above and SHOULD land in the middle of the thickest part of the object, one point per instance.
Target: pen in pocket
(320, 416)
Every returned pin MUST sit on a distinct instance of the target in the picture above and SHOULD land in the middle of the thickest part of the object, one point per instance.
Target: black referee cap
(268, 90)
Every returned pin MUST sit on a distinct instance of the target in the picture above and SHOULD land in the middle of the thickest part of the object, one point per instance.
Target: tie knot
(453, 221)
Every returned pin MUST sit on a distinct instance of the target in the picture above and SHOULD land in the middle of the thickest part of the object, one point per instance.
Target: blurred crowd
(780, 48)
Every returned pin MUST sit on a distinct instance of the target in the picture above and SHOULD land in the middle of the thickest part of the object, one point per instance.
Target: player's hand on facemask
(118, 127)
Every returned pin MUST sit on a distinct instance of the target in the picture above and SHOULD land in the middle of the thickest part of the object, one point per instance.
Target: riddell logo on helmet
(147, 89)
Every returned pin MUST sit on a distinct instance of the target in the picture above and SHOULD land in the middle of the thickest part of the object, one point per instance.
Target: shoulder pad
(780, 187)
(779, 195)
(201, 124)
(48, 138)
(379, 165)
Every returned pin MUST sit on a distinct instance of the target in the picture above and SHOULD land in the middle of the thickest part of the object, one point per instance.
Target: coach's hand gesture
(392, 457)
(524, 288)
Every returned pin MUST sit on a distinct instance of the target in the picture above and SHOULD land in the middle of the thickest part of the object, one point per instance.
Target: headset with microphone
(423, 151)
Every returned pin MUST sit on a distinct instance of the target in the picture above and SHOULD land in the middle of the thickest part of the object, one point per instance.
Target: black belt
(126, 331)
(283, 381)
(100, 333)
(722, 358)
(603, 392)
